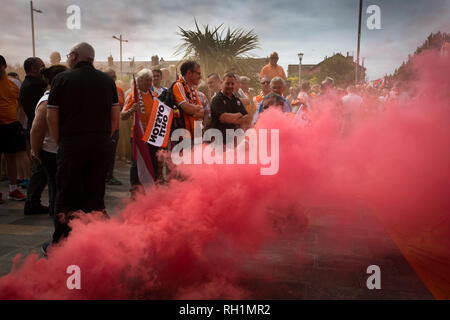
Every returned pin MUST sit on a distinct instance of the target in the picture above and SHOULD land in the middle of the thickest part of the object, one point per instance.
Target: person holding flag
(140, 103)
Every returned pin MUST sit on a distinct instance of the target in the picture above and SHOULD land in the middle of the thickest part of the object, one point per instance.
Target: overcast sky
(318, 28)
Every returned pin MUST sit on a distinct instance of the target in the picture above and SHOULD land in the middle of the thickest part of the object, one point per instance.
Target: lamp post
(300, 57)
(121, 40)
(359, 42)
(32, 9)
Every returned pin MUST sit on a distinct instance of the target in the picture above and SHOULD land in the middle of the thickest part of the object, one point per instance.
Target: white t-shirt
(352, 104)
(49, 144)
(158, 91)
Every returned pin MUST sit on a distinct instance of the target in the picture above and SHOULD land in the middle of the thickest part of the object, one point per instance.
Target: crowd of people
(60, 126)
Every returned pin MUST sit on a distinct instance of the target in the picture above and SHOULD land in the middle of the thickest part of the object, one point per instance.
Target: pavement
(328, 261)
(24, 234)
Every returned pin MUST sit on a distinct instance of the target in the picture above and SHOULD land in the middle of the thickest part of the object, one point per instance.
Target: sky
(317, 28)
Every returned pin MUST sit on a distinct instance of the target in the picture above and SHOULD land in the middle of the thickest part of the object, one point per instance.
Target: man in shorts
(12, 137)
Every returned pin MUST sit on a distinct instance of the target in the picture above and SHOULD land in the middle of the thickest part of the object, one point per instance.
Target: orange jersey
(144, 113)
(183, 93)
(272, 72)
(121, 96)
(257, 99)
(9, 95)
(250, 107)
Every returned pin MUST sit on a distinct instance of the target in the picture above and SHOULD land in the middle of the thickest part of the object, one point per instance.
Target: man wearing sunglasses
(265, 89)
(82, 113)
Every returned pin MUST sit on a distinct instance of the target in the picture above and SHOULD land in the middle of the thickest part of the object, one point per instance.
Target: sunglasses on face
(265, 82)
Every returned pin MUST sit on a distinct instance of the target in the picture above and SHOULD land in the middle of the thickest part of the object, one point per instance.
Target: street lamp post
(121, 40)
(300, 57)
(32, 9)
(359, 42)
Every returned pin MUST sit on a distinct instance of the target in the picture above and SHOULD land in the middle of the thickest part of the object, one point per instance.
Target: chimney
(110, 61)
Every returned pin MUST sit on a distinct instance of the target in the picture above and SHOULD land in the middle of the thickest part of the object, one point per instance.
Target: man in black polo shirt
(82, 112)
(31, 91)
(227, 111)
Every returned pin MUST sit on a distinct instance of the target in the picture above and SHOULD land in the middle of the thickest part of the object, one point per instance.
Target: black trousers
(80, 178)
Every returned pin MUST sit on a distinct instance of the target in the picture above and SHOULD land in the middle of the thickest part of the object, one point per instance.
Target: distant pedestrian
(156, 84)
(55, 58)
(110, 179)
(272, 69)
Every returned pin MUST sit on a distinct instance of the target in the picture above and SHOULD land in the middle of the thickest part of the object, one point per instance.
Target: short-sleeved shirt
(260, 109)
(351, 104)
(121, 97)
(149, 100)
(84, 97)
(31, 91)
(205, 103)
(9, 95)
(272, 72)
(158, 91)
(221, 104)
(184, 93)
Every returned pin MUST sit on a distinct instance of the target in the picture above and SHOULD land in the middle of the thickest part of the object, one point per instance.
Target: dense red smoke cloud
(192, 238)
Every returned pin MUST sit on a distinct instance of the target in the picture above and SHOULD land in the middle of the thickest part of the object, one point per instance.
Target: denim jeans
(38, 181)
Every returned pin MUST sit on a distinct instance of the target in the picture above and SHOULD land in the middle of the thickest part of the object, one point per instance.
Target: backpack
(168, 98)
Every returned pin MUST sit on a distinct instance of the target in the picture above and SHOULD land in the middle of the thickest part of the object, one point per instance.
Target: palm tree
(215, 51)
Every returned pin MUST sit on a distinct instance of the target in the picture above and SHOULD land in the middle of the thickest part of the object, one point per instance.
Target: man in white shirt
(351, 103)
(156, 86)
(351, 108)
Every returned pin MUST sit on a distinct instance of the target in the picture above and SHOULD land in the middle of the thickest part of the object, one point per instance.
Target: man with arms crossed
(227, 111)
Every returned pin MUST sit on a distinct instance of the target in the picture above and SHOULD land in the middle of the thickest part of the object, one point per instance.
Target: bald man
(55, 58)
(272, 69)
(82, 114)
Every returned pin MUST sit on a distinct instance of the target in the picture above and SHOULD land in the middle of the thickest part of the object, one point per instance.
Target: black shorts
(12, 138)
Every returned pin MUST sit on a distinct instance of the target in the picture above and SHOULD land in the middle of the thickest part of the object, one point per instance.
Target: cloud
(316, 28)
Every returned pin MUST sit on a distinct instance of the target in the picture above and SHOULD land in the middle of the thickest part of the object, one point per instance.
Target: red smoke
(192, 239)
